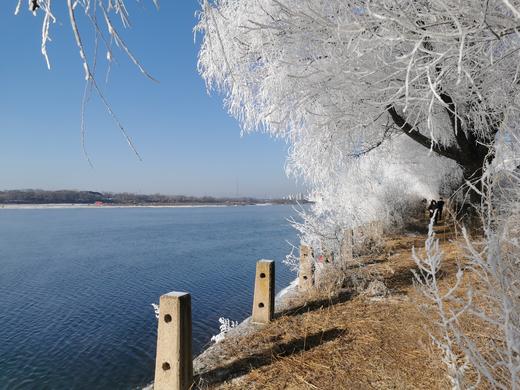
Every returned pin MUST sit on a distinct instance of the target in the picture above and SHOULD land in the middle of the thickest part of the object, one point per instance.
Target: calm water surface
(76, 286)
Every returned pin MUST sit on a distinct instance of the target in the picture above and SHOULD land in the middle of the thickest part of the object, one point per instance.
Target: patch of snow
(293, 285)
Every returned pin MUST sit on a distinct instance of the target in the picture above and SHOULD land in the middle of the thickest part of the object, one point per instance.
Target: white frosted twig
(513, 9)
(225, 326)
(90, 8)
(91, 79)
(119, 42)
(18, 6)
(429, 267)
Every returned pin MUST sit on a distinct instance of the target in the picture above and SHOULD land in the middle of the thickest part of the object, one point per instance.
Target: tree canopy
(369, 92)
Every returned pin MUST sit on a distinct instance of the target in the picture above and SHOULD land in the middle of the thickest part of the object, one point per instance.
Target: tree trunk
(469, 153)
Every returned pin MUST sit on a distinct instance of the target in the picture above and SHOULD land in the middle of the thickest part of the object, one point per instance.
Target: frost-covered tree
(339, 79)
(382, 101)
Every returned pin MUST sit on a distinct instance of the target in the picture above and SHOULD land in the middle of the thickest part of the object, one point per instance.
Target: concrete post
(306, 274)
(347, 245)
(173, 363)
(263, 300)
(328, 256)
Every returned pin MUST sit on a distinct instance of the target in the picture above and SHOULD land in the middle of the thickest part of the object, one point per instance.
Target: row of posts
(174, 364)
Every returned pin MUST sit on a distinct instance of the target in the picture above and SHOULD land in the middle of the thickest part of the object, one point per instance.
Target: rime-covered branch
(107, 34)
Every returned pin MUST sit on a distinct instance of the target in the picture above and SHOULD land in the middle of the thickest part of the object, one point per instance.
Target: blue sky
(189, 144)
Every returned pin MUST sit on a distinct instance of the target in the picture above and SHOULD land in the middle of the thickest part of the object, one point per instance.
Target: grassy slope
(349, 342)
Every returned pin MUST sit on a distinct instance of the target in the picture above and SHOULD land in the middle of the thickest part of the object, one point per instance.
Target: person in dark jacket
(440, 205)
(431, 209)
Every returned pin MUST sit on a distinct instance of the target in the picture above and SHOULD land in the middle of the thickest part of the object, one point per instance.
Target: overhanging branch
(367, 150)
(445, 151)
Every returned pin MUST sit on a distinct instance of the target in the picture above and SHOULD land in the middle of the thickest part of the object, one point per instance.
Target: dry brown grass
(349, 342)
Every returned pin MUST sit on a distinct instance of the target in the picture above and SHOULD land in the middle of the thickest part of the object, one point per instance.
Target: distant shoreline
(118, 206)
(34, 198)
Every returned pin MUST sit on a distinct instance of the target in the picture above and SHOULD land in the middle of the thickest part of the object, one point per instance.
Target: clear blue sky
(189, 144)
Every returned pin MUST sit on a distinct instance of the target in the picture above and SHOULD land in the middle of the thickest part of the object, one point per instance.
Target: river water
(76, 285)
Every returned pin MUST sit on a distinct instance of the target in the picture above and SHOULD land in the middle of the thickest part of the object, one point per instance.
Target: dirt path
(348, 341)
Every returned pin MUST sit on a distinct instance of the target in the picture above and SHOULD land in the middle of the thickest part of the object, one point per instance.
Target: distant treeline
(86, 197)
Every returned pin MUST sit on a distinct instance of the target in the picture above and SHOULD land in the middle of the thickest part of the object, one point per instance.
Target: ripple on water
(76, 286)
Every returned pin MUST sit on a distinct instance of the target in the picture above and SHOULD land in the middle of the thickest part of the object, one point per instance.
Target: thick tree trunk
(468, 152)
(472, 172)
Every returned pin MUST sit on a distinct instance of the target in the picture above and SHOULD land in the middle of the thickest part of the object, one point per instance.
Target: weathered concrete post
(173, 363)
(263, 300)
(347, 245)
(328, 256)
(306, 274)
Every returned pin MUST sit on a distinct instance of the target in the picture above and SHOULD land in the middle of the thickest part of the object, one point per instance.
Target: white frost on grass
(225, 326)
(156, 309)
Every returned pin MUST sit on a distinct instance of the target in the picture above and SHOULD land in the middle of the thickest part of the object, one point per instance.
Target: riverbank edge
(211, 357)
